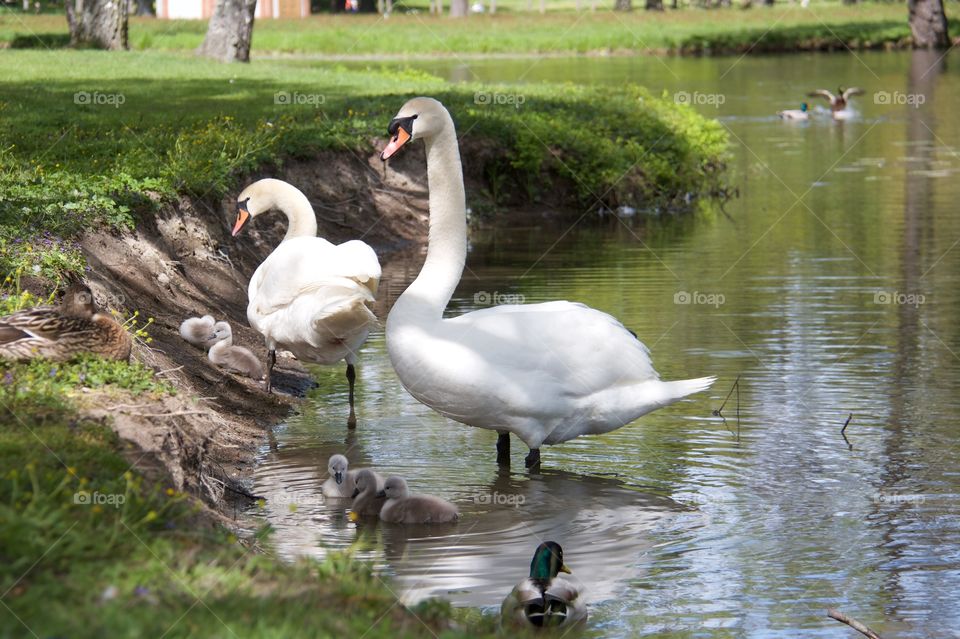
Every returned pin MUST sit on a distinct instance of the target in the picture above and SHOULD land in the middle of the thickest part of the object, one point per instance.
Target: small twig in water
(736, 383)
(719, 411)
(833, 613)
(842, 431)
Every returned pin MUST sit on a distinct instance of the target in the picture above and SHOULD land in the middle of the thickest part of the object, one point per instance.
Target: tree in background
(623, 5)
(928, 24)
(230, 31)
(654, 5)
(143, 8)
(98, 23)
(458, 8)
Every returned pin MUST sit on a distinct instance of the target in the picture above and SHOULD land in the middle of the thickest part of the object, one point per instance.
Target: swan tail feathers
(344, 316)
(673, 391)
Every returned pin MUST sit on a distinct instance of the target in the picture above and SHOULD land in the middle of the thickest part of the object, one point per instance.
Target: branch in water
(736, 384)
(719, 411)
(845, 424)
(833, 613)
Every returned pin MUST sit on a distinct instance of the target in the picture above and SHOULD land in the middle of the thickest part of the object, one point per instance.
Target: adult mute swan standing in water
(309, 296)
(545, 372)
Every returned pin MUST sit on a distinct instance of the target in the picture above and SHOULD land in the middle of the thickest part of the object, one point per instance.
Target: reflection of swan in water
(475, 563)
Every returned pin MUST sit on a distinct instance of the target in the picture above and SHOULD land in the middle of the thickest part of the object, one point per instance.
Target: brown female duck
(60, 334)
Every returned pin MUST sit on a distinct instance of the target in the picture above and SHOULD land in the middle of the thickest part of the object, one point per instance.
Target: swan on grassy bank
(310, 297)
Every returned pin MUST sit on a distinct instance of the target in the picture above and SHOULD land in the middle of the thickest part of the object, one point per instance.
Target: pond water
(830, 287)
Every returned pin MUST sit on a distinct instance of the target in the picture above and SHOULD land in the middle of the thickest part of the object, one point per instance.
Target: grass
(89, 547)
(106, 139)
(784, 27)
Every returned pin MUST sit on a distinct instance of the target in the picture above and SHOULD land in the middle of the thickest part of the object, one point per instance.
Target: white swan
(309, 296)
(545, 372)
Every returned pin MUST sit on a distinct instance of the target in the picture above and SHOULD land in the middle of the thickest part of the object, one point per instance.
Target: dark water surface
(830, 287)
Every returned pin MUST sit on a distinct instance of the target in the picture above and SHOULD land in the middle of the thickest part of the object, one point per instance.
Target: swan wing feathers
(584, 349)
(308, 284)
(304, 264)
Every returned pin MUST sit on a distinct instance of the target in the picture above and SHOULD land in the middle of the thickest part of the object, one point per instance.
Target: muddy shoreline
(182, 262)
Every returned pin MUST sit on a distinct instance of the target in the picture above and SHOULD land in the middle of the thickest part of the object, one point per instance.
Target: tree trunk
(654, 5)
(230, 31)
(623, 5)
(100, 23)
(458, 8)
(928, 24)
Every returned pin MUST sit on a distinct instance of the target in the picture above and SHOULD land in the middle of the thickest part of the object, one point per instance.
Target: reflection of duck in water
(545, 599)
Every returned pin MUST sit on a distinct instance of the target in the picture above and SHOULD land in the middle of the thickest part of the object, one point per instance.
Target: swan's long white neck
(302, 222)
(427, 297)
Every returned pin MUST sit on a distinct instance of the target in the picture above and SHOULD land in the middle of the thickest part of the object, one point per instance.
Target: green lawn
(89, 548)
(783, 27)
(102, 130)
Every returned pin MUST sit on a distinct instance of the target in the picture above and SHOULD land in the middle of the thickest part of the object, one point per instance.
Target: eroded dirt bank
(183, 262)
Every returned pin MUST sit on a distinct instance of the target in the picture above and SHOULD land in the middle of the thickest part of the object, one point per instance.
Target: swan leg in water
(351, 380)
(532, 460)
(271, 360)
(503, 448)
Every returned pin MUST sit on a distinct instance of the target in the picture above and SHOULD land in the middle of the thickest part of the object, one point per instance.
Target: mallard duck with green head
(62, 333)
(545, 599)
(795, 114)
